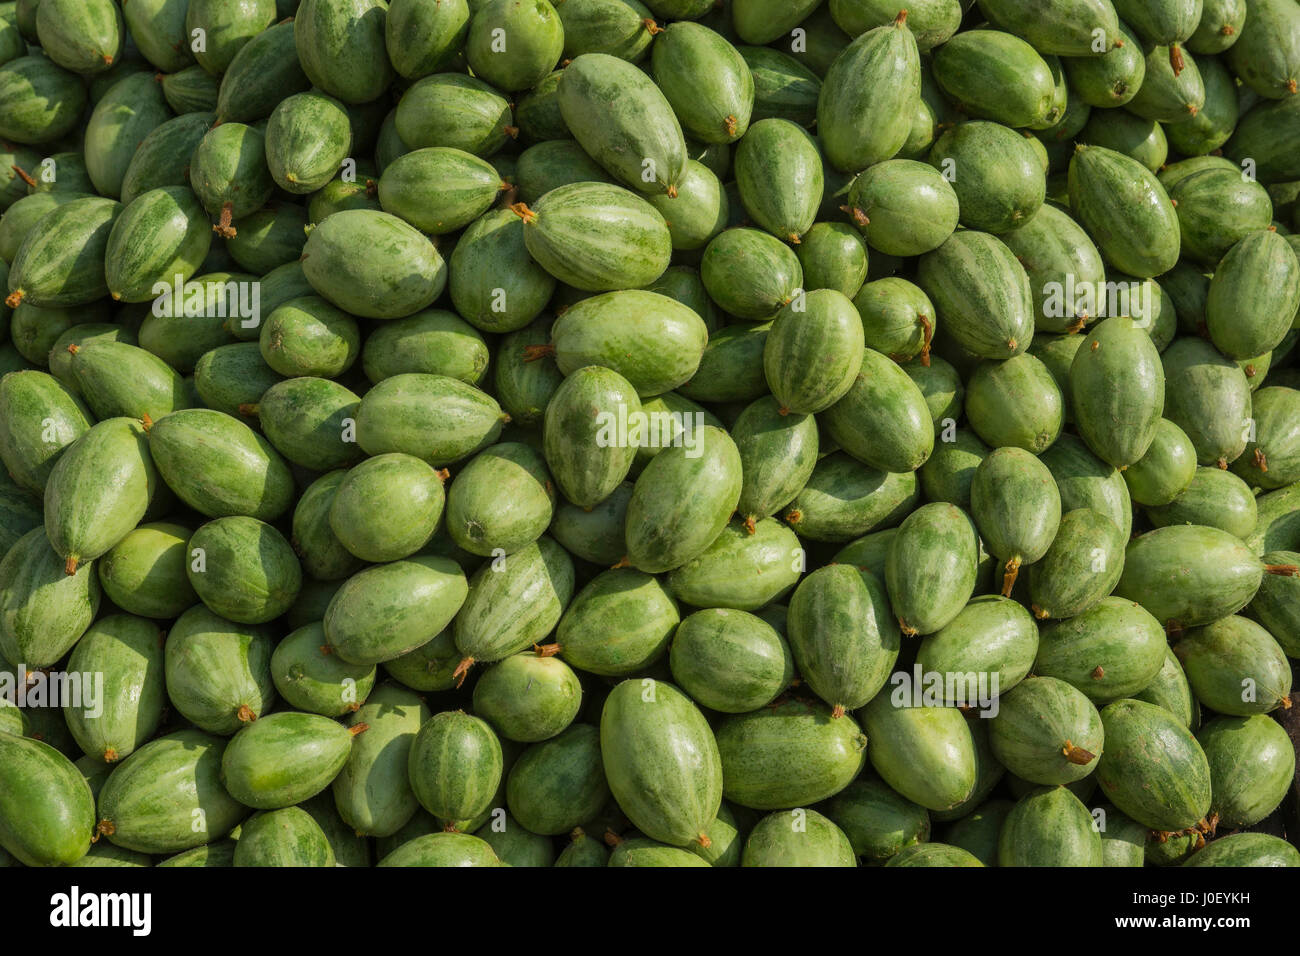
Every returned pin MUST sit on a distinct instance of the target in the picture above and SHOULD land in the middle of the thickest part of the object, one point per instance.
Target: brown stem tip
(462, 671)
(1286, 570)
(223, 228)
(1176, 59)
(1077, 755)
(521, 210)
(245, 714)
(859, 217)
(15, 298)
(901, 19)
(927, 336)
(546, 650)
(1009, 575)
(837, 711)
(22, 174)
(358, 729)
(70, 565)
(534, 352)
(1261, 460)
(651, 26)
(750, 526)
